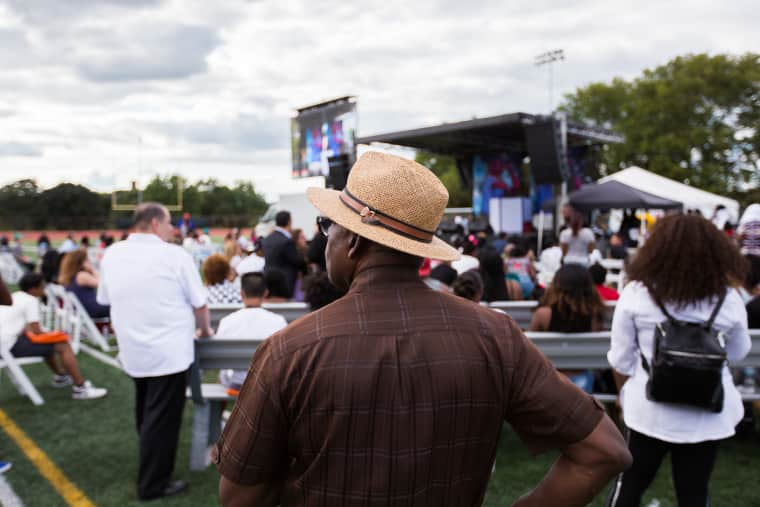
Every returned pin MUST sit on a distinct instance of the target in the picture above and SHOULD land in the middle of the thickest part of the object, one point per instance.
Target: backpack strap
(714, 314)
(661, 306)
(644, 362)
(708, 324)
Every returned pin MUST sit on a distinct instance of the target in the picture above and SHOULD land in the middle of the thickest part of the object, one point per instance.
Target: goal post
(117, 206)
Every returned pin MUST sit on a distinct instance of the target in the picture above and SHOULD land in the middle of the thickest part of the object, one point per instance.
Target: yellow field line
(67, 489)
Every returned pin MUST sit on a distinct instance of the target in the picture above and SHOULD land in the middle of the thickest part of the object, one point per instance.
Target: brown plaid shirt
(395, 395)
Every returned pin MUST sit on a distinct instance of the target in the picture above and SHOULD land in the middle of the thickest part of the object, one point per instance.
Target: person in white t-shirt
(577, 242)
(251, 322)
(688, 266)
(158, 307)
(21, 333)
(469, 258)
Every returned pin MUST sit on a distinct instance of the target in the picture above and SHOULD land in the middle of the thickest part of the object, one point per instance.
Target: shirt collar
(143, 237)
(284, 232)
(385, 271)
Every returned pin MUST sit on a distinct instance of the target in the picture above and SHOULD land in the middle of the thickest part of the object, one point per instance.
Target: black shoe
(176, 487)
(172, 488)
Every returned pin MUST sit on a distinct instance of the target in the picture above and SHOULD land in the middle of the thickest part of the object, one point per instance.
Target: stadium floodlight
(549, 58)
(115, 206)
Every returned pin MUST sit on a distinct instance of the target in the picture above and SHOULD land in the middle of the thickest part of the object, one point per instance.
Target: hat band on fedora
(374, 217)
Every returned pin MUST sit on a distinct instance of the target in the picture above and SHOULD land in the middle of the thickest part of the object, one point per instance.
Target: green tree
(70, 206)
(162, 189)
(446, 169)
(19, 204)
(693, 119)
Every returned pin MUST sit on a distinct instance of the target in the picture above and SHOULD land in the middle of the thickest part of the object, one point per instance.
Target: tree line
(694, 119)
(25, 206)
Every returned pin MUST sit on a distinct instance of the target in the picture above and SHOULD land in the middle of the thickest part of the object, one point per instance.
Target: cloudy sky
(103, 92)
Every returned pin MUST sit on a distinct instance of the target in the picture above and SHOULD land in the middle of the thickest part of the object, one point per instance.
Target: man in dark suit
(280, 251)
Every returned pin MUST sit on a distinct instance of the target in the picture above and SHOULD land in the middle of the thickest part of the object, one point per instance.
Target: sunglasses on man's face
(324, 225)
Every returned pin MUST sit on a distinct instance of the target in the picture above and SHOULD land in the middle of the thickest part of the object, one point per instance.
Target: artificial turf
(94, 443)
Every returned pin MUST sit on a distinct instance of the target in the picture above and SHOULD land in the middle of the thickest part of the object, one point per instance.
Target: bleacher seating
(209, 399)
(521, 311)
(571, 351)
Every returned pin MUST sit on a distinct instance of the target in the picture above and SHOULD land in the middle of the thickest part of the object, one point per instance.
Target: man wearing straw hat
(396, 394)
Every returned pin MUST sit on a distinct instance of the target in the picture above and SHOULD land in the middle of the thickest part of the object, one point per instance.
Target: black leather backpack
(687, 362)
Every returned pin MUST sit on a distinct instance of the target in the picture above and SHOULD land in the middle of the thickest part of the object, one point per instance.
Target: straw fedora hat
(392, 201)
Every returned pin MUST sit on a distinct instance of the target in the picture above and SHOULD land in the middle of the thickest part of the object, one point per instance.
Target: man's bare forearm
(583, 469)
(568, 485)
(203, 321)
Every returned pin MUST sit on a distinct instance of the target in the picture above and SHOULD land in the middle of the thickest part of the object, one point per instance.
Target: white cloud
(11, 149)
(105, 92)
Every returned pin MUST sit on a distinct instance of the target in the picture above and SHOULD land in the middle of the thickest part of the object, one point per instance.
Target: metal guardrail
(521, 311)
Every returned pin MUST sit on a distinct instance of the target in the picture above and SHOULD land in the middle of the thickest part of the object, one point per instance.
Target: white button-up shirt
(636, 315)
(152, 287)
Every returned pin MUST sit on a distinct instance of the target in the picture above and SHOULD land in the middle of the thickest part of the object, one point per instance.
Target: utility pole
(549, 58)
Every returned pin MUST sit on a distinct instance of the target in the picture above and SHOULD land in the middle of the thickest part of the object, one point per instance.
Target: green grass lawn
(95, 445)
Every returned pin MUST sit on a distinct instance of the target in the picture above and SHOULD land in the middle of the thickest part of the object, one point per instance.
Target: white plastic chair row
(10, 270)
(20, 380)
(65, 312)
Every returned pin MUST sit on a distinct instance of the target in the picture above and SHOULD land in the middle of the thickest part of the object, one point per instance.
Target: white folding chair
(65, 315)
(62, 304)
(84, 327)
(17, 375)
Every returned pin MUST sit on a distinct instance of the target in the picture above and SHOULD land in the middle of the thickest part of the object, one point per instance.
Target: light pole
(549, 58)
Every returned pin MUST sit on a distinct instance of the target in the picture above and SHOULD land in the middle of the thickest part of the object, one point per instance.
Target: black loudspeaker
(547, 160)
(464, 169)
(339, 166)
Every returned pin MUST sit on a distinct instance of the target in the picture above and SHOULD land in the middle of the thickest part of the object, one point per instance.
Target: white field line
(8, 497)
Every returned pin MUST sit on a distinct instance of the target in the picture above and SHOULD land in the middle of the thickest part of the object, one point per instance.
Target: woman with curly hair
(217, 274)
(686, 269)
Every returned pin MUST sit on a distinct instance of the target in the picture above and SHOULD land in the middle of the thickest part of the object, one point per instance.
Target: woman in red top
(599, 274)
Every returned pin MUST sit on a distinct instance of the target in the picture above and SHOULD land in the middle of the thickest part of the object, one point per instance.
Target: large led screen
(320, 132)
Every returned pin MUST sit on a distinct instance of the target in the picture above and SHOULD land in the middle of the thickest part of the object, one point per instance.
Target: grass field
(95, 445)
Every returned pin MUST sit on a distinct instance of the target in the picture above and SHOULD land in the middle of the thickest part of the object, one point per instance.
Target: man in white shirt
(158, 306)
(251, 322)
(21, 333)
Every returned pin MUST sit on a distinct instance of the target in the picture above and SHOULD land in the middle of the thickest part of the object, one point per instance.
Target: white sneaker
(87, 391)
(61, 381)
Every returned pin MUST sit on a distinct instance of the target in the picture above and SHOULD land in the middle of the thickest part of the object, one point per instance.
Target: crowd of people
(396, 364)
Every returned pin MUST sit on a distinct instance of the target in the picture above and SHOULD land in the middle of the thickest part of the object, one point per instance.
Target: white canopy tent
(692, 198)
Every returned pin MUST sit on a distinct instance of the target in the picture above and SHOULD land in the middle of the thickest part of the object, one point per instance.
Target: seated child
(20, 326)
(251, 322)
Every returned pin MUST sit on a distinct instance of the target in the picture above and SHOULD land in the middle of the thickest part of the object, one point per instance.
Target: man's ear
(355, 246)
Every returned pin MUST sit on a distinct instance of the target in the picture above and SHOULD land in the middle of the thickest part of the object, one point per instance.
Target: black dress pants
(691, 465)
(158, 411)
